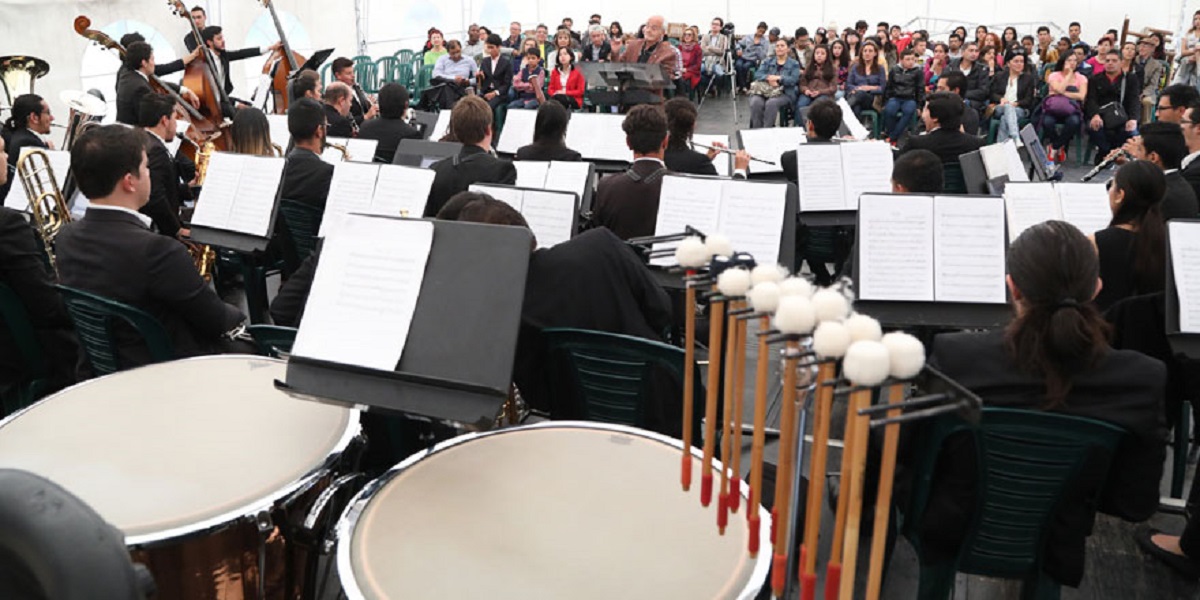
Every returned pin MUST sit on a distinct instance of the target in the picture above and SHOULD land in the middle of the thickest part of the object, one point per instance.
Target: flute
(728, 151)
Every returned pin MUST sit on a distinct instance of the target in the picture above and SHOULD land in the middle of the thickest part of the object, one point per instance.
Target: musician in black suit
(167, 187)
(495, 73)
(824, 120)
(306, 177)
(390, 127)
(343, 71)
(30, 116)
(1053, 357)
(159, 69)
(337, 99)
(627, 203)
(111, 252)
(549, 131)
(681, 122)
(471, 125)
(133, 82)
(1190, 167)
(943, 117)
(215, 40)
(1163, 144)
(200, 19)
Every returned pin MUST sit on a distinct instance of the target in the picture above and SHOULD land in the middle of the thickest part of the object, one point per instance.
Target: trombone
(46, 203)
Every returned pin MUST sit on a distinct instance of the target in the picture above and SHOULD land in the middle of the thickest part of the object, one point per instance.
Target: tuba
(46, 202)
(18, 73)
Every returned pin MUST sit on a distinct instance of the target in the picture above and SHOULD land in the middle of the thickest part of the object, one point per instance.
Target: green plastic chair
(303, 223)
(387, 69)
(35, 367)
(424, 76)
(1027, 460)
(872, 122)
(994, 126)
(366, 74)
(273, 340)
(325, 74)
(94, 317)
(610, 376)
(953, 180)
(405, 56)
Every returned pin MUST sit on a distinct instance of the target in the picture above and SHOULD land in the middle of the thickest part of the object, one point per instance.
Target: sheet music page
(1028, 204)
(217, 197)
(60, 163)
(1185, 264)
(518, 130)
(768, 144)
(722, 161)
(443, 125)
(995, 161)
(365, 292)
(16, 198)
(551, 216)
(687, 201)
(895, 247)
(866, 169)
(1084, 205)
(256, 193)
(531, 173)
(351, 190)
(362, 151)
(402, 191)
(261, 92)
(332, 155)
(567, 177)
(509, 195)
(857, 130)
(598, 137)
(752, 215)
(968, 249)
(819, 177)
(279, 131)
(1016, 168)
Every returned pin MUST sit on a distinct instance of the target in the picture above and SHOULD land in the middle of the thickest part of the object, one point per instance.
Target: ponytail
(1144, 185)
(24, 106)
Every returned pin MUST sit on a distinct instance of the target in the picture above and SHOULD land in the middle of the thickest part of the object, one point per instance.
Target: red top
(574, 88)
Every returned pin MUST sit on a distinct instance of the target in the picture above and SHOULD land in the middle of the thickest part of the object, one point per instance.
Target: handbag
(1059, 106)
(1113, 114)
(764, 89)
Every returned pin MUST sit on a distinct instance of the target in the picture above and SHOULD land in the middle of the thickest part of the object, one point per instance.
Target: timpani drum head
(560, 510)
(171, 448)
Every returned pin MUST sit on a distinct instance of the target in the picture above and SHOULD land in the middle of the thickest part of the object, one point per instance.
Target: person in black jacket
(390, 127)
(1012, 95)
(215, 40)
(978, 81)
(943, 115)
(168, 189)
(598, 48)
(337, 99)
(361, 107)
(627, 203)
(133, 82)
(1163, 144)
(471, 125)
(1190, 167)
(306, 177)
(549, 130)
(1132, 249)
(679, 157)
(495, 74)
(30, 116)
(905, 92)
(166, 68)
(1112, 87)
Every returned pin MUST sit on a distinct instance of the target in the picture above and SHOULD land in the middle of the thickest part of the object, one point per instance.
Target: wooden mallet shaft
(716, 331)
(762, 367)
(883, 499)
(820, 455)
(783, 475)
(739, 397)
(723, 500)
(858, 464)
(689, 388)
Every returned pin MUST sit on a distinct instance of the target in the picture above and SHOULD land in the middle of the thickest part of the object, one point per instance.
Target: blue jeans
(1070, 126)
(897, 116)
(743, 66)
(1010, 116)
(519, 103)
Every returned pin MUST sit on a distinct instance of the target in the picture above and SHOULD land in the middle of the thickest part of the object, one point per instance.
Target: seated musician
(306, 84)
(470, 125)
(627, 203)
(30, 119)
(824, 120)
(390, 127)
(111, 252)
(1054, 356)
(337, 110)
(943, 135)
(134, 82)
(343, 71)
(549, 131)
(174, 66)
(681, 123)
(169, 176)
(306, 177)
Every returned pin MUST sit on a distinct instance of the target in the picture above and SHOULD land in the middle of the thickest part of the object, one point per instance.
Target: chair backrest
(613, 376)
(303, 223)
(405, 56)
(94, 317)
(366, 74)
(16, 318)
(953, 181)
(387, 69)
(273, 340)
(424, 76)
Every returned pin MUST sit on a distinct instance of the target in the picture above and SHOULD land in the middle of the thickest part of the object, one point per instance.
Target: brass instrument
(86, 111)
(46, 202)
(340, 148)
(278, 150)
(18, 73)
(204, 257)
(204, 152)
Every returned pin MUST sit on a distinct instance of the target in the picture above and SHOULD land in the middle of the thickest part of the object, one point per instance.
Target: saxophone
(203, 255)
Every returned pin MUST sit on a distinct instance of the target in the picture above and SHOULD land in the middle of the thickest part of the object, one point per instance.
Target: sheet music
(752, 215)
(509, 195)
(598, 137)
(531, 173)
(261, 92)
(769, 144)
(819, 177)
(361, 150)
(1028, 204)
(60, 163)
(564, 176)
(995, 161)
(239, 193)
(443, 125)
(722, 161)
(968, 249)
(866, 168)
(365, 292)
(1185, 264)
(857, 130)
(686, 201)
(1012, 157)
(330, 154)
(279, 131)
(551, 216)
(518, 130)
(1084, 205)
(402, 191)
(350, 190)
(895, 247)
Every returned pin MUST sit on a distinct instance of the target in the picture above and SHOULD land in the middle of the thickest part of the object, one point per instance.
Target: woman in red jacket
(566, 82)
(690, 51)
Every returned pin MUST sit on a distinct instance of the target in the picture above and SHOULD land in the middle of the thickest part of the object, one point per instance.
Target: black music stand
(423, 153)
(458, 360)
(1036, 153)
(975, 175)
(246, 243)
(1187, 344)
(425, 122)
(625, 84)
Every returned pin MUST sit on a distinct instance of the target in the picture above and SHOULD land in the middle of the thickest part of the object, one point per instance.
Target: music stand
(1187, 344)
(1035, 152)
(625, 84)
(425, 122)
(975, 175)
(422, 153)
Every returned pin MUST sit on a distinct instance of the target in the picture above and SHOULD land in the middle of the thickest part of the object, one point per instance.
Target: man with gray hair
(653, 49)
(597, 49)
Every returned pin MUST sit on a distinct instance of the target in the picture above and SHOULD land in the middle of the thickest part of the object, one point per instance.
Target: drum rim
(246, 511)
(358, 504)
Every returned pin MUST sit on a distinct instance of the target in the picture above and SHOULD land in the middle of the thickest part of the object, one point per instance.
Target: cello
(200, 75)
(281, 65)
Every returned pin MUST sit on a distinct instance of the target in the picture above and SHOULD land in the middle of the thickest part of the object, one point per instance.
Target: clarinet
(1106, 163)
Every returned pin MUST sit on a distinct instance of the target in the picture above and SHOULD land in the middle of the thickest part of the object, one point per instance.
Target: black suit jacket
(231, 55)
(21, 138)
(306, 178)
(1101, 91)
(1125, 389)
(165, 188)
(113, 254)
(627, 207)
(1192, 175)
(1026, 86)
(131, 86)
(1180, 200)
(543, 151)
(498, 80)
(388, 132)
(359, 104)
(591, 54)
(455, 174)
(685, 160)
(948, 144)
(339, 126)
(979, 82)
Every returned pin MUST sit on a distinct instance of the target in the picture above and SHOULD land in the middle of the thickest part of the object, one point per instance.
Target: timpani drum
(555, 510)
(200, 462)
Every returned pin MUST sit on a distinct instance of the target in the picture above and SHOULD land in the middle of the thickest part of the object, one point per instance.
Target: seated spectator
(1081, 56)
(752, 50)
(867, 80)
(679, 156)
(549, 133)
(691, 55)
(819, 80)
(1132, 248)
(435, 48)
(495, 74)
(453, 76)
(1012, 96)
(527, 83)
(938, 64)
(774, 87)
(1047, 50)
(471, 126)
(627, 203)
(802, 47)
(598, 48)
(943, 135)
(566, 82)
(563, 39)
(905, 91)
(514, 39)
(1032, 62)
(955, 82)
(978, 80)
(1102, 48)
(841, 57)
(1150, 72)
(1106, 90)
(390, 127)
(1063, 106)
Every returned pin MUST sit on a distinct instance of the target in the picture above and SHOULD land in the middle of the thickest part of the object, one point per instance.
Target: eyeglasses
(1168, 107)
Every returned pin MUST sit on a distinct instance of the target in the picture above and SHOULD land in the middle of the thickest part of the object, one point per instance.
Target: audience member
(514, 39)
(1062, 111)
(653, 49)
(867, 80)
(714, 45)
(598, 50)
(473, 47)
(1012, 95)
(527, 83)
(495, 74)
(549, 133)
(1132, 248)
(819, 80)
(692, 56)
(471, 125)
(774, 87)
(1150, 72)
(390, 127)
(627, 203)
(566, 82)
(905, 91)
(751, 50)
(1112, 107)
(435, 48)
(937, 65)
(452, 77)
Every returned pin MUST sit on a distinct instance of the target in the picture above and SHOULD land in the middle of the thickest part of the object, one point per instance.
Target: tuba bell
(46, 203)
(18, 73)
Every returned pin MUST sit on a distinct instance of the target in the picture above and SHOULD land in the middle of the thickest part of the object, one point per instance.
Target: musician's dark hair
(1144, 185)
(198, 8)
(250, 133)
(335, 92)
(826, 117)
(1060, 332)
(550, 125)
(130, 38)
(1166, 140)
(1181, 95)
(491, 211)
(25, 106)
(919, 172)
(947, 108)
(451, 209)
(304, 116)
(681, 120)
(101, 156)
(393, 101)
(339, 64)
(210, 32)
(493, 39)
(645, 128)
(137, 53)
(956, 81)
(306, 81)
(152, 108)
(470, 120)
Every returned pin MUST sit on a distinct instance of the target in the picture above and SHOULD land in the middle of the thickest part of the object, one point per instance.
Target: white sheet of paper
(442, 126)
(332, 155)
(518, 130)
(60, 163)
(819, 177)
(1185, 264)
(598, 136)
(239, 193)
(509, 195)
(768, 144)
(968, 249)
(857, 130)
(895, 247)
(352, 189)
(723, 161)
(686, 201)
(995, 161)
(279, 131)
(1084, 205)
(550, 215)
(752, 215)
(261, 92)
(365, 292)
(362, 151)
(866, 169)
(402, 191)
(567, 177)
(1016, 168)
(1028, 204)
(531, 173)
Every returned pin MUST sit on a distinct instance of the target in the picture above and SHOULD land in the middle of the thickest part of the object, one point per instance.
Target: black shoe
(1181, 564)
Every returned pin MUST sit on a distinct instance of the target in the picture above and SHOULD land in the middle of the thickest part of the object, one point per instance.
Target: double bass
(200, 75)
(281, 65)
